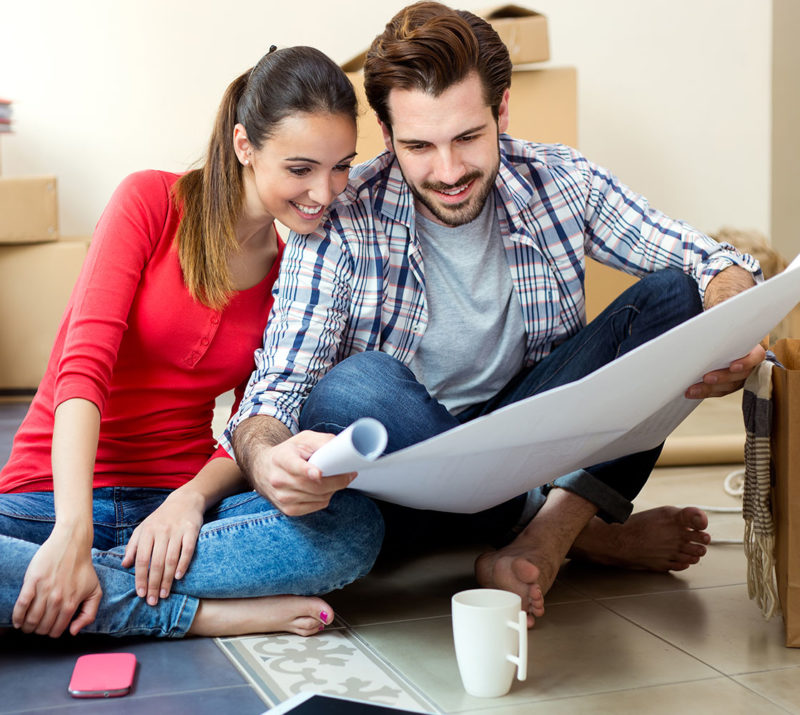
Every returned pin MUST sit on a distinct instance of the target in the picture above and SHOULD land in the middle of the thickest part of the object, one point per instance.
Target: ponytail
(212, 200)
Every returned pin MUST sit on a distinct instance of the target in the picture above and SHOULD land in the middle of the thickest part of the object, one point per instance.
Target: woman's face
(299, 170)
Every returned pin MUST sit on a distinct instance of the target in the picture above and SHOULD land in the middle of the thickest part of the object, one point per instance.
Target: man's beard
(457, 214)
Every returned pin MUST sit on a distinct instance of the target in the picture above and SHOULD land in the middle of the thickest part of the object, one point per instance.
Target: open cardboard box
(523, 31)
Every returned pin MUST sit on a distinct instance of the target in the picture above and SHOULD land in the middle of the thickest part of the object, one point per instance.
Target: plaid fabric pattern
(358, 282)
(759, 528)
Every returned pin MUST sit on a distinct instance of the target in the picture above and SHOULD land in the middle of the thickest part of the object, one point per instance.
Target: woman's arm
(60, 578)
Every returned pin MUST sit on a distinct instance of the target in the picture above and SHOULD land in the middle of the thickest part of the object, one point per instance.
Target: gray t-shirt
(475, 339)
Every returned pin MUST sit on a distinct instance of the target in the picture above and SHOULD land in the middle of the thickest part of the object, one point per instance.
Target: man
(448, 282)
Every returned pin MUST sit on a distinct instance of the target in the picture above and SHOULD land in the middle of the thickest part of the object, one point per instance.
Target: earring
(245, 162)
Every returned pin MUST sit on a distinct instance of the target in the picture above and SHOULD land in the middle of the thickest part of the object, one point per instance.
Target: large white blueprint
(627, 406)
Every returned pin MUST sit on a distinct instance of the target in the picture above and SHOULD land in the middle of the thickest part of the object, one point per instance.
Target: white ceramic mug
(490, 632)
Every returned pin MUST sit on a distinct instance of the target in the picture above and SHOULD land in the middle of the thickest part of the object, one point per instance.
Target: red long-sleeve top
(135, 343)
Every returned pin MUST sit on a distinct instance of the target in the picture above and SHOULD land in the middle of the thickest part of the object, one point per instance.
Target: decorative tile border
(336, 662)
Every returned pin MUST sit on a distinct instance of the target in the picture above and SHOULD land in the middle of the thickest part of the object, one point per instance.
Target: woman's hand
(59, 582)
(162, 546)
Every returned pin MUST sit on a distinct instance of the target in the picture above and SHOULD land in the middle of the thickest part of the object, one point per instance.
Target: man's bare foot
(513, 569)
(303, 615)
(663, 539)
(528, 565)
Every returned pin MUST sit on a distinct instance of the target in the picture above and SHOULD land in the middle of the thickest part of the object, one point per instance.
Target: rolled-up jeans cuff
(611, 505)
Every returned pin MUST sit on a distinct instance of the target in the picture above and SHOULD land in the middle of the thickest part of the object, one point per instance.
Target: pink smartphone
(103, 675)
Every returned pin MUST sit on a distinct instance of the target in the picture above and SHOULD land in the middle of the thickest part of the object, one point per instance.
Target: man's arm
(624, 231)
(276, 464)
(726, 284)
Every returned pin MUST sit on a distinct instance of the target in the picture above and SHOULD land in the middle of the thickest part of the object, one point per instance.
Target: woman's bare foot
(303, 615)
(663, 539)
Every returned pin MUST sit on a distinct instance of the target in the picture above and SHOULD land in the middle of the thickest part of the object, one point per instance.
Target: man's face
(447, 148)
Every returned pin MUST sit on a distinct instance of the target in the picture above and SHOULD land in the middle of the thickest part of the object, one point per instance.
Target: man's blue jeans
(374, 384)
(246, 548)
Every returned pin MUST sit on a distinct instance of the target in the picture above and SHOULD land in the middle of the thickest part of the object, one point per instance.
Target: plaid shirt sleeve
(623, 230)
(302, 337)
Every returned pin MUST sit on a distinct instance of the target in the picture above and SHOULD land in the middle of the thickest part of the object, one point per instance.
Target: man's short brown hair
(430, 47)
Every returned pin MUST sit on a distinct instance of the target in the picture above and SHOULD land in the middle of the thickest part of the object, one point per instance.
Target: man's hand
(59, 581)
(717, 383)
(163, 545)
(283, 475)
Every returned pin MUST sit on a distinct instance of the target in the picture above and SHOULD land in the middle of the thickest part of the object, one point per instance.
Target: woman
(117, 447)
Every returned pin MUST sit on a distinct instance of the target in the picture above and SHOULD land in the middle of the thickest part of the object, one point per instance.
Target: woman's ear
(241, 145)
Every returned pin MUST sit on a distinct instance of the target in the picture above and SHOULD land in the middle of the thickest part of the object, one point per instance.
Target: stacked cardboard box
(37, 271)
(543, 107)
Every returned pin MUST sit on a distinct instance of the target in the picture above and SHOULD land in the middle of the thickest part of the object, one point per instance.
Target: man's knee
(676, 291)
(353, 388)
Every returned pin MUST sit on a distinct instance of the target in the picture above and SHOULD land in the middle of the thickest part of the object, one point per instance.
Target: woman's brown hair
(289, 81)
(430, 47)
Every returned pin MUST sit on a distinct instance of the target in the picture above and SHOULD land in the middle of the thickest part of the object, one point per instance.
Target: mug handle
(521, 659)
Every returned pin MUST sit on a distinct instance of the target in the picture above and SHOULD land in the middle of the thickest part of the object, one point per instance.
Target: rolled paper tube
(358, 445)
(702, 449)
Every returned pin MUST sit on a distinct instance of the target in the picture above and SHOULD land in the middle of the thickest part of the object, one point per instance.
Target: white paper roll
(358, 445)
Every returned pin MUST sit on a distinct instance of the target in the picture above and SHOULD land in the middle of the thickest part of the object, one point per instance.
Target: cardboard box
(602, 284)
(523, 31)
(543, 107)
(35, 284)
(28, 209)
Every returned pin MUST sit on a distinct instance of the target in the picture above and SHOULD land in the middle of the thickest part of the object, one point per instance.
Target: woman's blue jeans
(374, 384)
(246, 548)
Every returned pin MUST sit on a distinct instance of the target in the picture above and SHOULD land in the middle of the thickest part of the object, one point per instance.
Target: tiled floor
(611, 641)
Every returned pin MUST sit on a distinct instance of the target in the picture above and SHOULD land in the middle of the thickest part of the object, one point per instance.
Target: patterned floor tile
(336, 662)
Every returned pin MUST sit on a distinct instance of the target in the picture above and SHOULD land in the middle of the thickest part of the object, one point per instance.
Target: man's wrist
(252, 440)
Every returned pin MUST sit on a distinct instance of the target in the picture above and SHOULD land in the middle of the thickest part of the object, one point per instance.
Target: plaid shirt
(357, 283)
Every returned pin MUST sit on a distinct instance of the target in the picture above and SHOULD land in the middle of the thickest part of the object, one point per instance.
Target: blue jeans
(246, 548)
(374, 384)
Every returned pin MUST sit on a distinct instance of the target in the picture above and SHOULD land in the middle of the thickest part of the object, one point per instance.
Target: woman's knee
(355, 527)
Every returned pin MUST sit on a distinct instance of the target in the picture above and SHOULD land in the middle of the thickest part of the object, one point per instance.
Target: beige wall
(786, 128)
(674, 95)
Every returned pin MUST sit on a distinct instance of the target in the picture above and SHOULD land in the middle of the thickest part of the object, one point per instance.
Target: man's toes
(536, 602)
(692, 549)
(693, 518)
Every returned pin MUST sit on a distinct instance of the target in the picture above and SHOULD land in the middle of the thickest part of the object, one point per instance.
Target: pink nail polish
(323, 616)
(321, 628)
